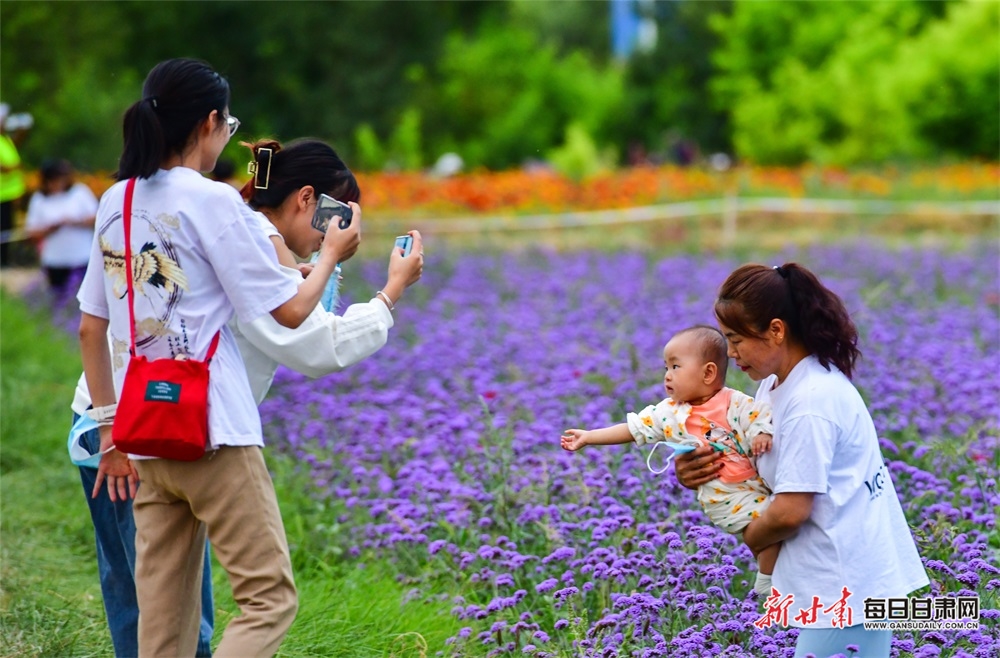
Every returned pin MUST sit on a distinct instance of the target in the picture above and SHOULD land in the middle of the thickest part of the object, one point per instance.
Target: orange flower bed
(522, 192)
(417, 194)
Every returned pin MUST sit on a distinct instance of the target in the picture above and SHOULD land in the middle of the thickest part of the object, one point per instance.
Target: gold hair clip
(254, 168)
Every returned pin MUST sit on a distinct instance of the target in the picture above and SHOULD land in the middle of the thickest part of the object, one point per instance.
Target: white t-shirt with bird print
(198, 257)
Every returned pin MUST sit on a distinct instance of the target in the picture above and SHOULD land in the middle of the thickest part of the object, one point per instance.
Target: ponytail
(753, 295)
(824, 325)
(143, 149)
(279, 171)
(177, 96)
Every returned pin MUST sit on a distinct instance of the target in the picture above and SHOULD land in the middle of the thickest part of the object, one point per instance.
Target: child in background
(701, 409)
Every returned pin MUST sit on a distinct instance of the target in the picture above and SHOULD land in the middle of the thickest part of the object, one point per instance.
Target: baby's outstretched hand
(761, 444)
(573, 439)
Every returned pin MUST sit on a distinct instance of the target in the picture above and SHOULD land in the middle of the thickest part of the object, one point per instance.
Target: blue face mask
(677, 449)
(77, 453)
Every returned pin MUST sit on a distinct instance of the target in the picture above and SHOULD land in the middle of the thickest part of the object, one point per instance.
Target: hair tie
(782, 272)
(151, 100)
(261, 166)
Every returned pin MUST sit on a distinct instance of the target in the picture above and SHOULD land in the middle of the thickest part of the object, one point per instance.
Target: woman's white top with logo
(198, 257)
(857, 536)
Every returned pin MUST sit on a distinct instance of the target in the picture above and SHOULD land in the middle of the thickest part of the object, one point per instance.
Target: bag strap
(127, 218)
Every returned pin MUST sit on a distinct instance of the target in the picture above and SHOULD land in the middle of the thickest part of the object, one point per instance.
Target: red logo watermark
(776, 611)
(903, 613)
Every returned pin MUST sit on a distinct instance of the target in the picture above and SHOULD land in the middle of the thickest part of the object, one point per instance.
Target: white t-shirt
(323, 344)
(198, 256)
(67, 246)
(825, 442)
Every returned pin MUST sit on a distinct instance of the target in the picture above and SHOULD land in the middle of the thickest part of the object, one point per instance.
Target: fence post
(730, 212)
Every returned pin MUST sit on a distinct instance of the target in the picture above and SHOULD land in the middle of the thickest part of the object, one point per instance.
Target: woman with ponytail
(325, 342)
(834, 510)
(199, 258)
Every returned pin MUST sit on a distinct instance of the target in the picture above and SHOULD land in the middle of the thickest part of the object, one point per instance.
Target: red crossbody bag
(163, 407)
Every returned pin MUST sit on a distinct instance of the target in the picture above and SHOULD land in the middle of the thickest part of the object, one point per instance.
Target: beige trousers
(228, 492)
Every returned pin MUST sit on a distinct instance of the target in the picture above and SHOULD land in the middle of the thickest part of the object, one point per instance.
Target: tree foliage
(667, 89)
(852, 82)
(396, 84)
(504, 96)
(296, 68)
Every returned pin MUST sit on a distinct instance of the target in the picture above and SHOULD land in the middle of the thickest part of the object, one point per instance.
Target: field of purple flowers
(440, 454)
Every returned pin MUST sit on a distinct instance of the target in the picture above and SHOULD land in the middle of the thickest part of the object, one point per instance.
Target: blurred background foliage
(394, 85)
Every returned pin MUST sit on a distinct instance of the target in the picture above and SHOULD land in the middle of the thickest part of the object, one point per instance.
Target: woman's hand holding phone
(409, 268)
(340, 244)
(404, 271)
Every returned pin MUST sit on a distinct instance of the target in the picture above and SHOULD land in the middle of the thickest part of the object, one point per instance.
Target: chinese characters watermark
(895, 613)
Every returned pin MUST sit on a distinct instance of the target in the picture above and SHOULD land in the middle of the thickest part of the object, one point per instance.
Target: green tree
(400, 83)
(948, 79)
(851, 82)
(59, 62)
(667, 89)
(310, 68)
(504, 95)
(297, 68)
(567, 25)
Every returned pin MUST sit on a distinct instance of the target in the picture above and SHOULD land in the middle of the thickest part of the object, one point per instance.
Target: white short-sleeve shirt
(67, 246)
(198, 257)
(857, 536)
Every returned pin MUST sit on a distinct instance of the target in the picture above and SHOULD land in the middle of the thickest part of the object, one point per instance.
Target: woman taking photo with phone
(199, 258)
(295, 176)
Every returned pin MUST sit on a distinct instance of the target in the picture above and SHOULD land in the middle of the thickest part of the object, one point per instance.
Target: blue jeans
(825, 642)
(114, 528)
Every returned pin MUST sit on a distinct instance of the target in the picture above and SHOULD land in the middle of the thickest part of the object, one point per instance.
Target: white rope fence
(729, 208)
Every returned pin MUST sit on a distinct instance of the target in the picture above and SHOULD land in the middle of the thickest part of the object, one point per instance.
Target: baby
(700, 409)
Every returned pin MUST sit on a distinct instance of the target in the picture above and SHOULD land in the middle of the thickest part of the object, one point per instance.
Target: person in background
(12, 186)
(225, 172)
(835, 508)
(61, 223)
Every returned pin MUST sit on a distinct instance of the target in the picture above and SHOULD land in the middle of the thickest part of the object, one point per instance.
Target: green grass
(50, 597)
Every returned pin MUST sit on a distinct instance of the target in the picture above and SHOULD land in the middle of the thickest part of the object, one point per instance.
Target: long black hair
(177, 96)
(816, 317)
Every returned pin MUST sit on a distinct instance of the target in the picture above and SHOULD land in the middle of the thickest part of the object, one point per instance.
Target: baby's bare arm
(574, 439)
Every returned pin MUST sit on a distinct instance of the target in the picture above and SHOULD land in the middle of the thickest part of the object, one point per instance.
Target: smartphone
(404, 242)
(326, 209)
